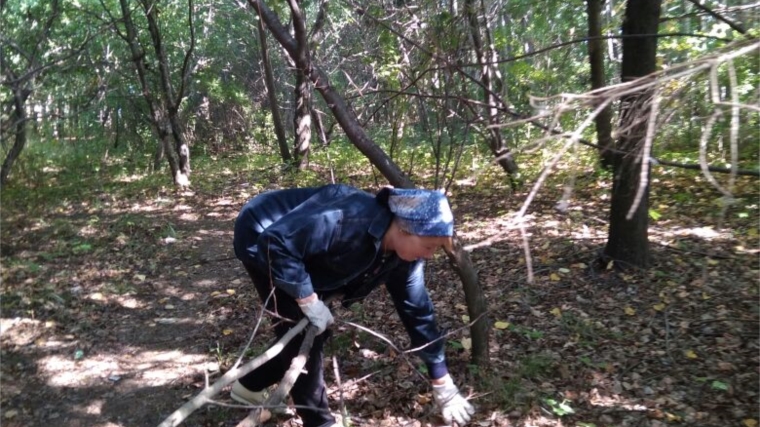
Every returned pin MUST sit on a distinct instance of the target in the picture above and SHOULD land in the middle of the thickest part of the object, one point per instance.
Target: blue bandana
(422, 212)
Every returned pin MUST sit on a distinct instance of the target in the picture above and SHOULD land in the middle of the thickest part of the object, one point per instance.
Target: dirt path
(119, 336)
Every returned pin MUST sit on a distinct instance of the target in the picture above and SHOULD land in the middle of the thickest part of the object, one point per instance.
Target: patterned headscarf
(422, 212)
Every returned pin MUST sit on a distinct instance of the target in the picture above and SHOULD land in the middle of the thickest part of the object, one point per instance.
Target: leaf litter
(116, 321)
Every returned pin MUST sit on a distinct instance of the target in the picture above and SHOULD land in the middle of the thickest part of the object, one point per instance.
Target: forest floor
(117, 309)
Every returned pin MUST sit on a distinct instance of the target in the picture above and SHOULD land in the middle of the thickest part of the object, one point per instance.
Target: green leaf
(719, 385)
(654, 214)
(82, 248)
(456, 345)
(559, 408)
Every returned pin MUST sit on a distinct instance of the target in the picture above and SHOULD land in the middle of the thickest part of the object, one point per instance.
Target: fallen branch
(205, 396)
(288, 380)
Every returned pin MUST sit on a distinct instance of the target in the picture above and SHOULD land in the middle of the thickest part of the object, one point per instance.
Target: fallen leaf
(465, 318)
(630, 311)
(554, 277)
(230, 291)
(659, 307)
(10, 414)
(227, 331)
(749, 422)
(556, 312)
(466, 343)
(690, 354)
(97, 296)
(501, 325)
(672, 417)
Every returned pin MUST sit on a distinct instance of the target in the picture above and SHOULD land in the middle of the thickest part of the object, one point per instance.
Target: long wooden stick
(205, 396)
(288, 380)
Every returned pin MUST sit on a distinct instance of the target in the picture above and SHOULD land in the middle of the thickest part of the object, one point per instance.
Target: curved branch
(718, 16)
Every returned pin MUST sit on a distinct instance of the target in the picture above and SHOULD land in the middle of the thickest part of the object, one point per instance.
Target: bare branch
(641, 190)
(718, 16)
(203, 397)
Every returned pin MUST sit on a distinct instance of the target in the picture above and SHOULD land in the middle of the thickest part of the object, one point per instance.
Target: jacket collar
(380, 224)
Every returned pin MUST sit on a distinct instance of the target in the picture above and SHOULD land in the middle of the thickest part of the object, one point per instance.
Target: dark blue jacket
(327, 240)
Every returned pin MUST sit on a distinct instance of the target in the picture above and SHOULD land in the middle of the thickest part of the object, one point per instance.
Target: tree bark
(302, 91)
(19, 125)
(302, 120)
(179, 151)
(355, 133)
(279, 128)
(627, 241)
(157, 113)
(603, 120)
(487, 73)
(21, 85)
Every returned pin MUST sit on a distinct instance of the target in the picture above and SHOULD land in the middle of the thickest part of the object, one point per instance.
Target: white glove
(318, 314)
(454, 407)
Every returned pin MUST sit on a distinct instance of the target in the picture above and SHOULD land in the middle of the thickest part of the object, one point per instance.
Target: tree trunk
(627, 242)
(157, 115)
(21, 82)
(603, 120)
(302, 120)
(355, 133)
(279, 128)
(179, 151)
(496, 141)
(19, 123)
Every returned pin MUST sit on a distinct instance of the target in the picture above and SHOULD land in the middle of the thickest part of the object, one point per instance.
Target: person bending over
(301, 245)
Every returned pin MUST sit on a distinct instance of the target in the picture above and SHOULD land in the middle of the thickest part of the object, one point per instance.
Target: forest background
(601, 157)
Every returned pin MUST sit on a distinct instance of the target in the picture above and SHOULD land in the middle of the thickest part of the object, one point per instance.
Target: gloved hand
(317, 313)
(454, 407)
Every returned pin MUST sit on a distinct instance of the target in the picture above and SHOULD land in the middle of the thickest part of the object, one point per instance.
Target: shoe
(257, 398)
(248, 397)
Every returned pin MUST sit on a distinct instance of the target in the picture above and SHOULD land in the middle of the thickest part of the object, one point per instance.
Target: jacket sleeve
(284, 247)
(406, 286)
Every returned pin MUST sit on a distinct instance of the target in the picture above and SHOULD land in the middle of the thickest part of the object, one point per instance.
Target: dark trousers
(309, 389)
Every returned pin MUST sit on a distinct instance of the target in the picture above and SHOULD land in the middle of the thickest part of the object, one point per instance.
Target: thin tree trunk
(179, 151)
(487, 73)
(302, 120)
(19, 142)
(157, 115)
(603, 120)
(279, 128)
(628, 242)
(21, 84)
(324, 136)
